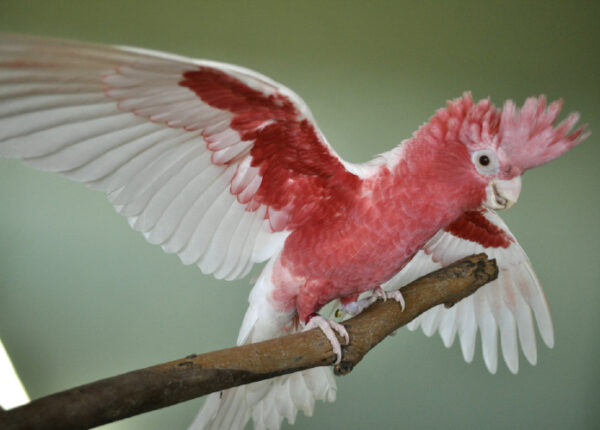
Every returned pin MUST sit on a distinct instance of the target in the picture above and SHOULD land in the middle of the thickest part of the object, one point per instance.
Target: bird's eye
(486, 162)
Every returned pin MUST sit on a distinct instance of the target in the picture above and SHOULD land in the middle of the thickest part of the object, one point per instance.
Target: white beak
(502, 194)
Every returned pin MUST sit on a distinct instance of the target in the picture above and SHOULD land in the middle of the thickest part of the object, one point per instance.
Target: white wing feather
(118, 120)
(503, 305)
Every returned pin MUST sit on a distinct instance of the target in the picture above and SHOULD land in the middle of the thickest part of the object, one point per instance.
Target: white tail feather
(266, 402)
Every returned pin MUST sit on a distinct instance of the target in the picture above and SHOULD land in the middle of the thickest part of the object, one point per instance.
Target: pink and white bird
(227, 168)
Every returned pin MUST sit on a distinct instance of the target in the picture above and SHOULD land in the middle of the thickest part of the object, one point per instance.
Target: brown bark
(166, 384)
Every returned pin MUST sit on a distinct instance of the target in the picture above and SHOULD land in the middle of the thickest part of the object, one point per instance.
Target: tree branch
(166, 384)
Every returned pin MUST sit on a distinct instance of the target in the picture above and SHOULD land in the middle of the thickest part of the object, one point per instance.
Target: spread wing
(213, 162)
(504, 305)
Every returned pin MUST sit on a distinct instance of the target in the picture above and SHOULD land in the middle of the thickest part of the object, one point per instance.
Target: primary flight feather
(227, 168)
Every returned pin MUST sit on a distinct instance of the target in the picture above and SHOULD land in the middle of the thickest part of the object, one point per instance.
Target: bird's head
(503, 143)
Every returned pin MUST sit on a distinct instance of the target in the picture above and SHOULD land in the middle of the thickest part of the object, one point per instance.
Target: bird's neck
(427, 181)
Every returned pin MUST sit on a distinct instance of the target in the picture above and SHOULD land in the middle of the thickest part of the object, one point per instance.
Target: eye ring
(486, 162)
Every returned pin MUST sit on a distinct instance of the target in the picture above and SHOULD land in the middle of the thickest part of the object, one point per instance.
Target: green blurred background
(83, 297)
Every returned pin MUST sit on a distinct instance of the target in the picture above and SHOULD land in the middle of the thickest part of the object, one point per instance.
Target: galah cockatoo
(227, 168)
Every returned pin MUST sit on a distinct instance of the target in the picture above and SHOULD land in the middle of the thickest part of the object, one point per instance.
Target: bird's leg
(329, 328)
(354, 308)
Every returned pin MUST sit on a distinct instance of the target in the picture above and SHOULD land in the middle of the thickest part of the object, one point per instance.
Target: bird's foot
(395, 295)
(354, 308)
(329, 328)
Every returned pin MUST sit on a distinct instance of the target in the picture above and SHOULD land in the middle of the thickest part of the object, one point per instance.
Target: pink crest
(524, 138)
(473, 124)
(528, 138)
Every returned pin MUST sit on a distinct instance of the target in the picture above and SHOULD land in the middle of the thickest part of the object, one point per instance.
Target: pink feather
(528, 138)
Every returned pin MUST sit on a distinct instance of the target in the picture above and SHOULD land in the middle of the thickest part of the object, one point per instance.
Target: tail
(266, 402)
